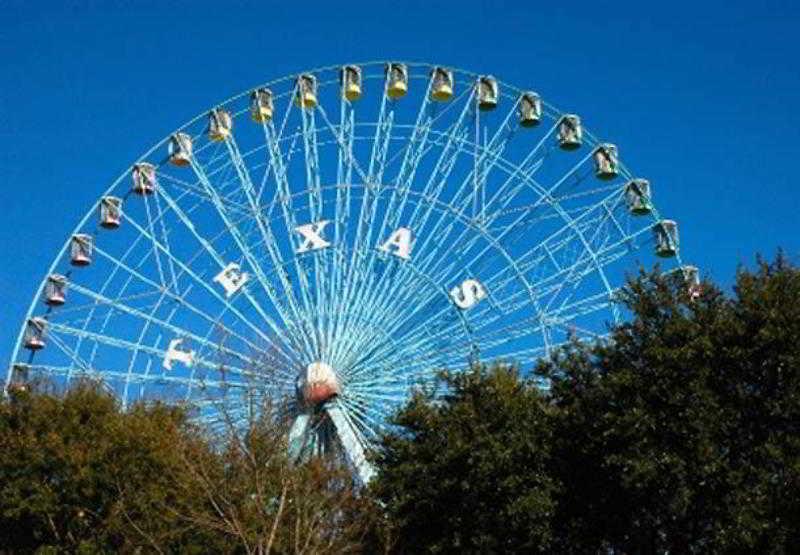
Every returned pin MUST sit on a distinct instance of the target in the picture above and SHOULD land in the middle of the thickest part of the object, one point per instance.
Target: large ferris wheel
(334, 238)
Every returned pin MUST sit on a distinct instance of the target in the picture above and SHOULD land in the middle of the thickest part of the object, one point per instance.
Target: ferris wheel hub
(317, 383)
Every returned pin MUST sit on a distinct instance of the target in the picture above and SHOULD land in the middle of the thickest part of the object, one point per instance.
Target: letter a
(468, 294)
(400, 239)
(312, 239)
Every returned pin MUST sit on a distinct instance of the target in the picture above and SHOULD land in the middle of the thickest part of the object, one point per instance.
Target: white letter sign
(311, 236)
(400, 239)
(231, 278)
(468, 294)
(173, 353)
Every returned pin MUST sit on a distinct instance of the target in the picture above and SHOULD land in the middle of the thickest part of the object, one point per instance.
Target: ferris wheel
(335, 238)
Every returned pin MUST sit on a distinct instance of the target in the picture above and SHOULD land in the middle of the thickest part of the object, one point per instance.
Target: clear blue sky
(701, 97)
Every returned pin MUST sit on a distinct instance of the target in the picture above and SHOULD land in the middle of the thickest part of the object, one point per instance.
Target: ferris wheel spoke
(152, 230)
(293, 348)
(414, 147)
(380, 141)
(199, 194)
(360, 346)
(311, 158)
(412, 151)
(72, 353)
(310, 335)
(344, 144)
(546, 194)
(130, 346)
(254, 264)
(602, 250)
(582, 307)
(268, 238)
(313, 186)
(441, 228)
(428, 347)
(516, 221)
(107, 283)
(563, 237)
(587, 262)
(180, 332)
(609, 295)
(146, 327)
(510, 187)
(105, 375)
(290, 355)
(566, 273)
(550, 284)
(344, 176)
(274, 153)
(377, 163)
(433, 114)
(441, 340)
(165, 235)
(492, 151)
(455, 266)
(180, 300)
(403, 183)
(346, 160)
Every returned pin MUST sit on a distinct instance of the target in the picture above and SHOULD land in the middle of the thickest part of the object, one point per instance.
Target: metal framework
(384, 235)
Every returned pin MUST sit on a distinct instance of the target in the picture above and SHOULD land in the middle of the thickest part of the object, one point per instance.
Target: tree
(257, 500)
(680, 433)
(74, 467)
(469, 473)
(79, 474)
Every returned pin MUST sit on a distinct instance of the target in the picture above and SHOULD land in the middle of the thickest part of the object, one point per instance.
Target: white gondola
(35, 333)
(80, 248)
(220, 124)
(691, 276)
(666, 237)
(396, 80)
(488, 92)
(441, 84)
(261, 105)
(55, 290)
(20, 377)
(570, 132)
(110, 212)
(306, 93)
(144, 178)
(350, 77)
(180, 149)
(637, 197)
(530, 109)
(606, 161)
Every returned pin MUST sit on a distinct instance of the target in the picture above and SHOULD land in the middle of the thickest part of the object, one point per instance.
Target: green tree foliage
(469, 473)
(76, 472)
(680, 434)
